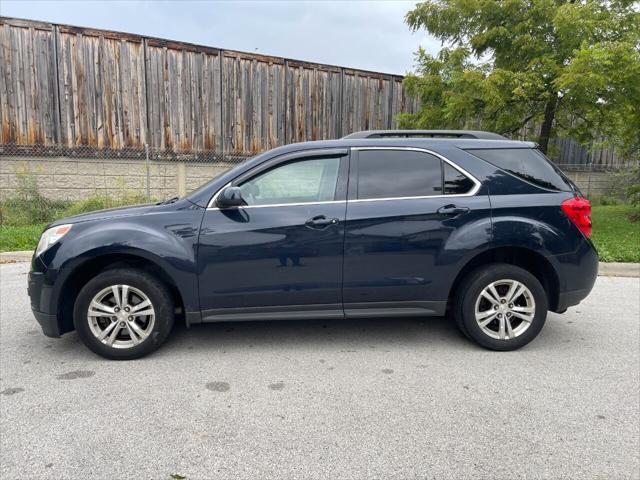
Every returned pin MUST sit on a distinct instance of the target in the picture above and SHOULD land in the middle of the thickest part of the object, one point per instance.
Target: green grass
(24, 237)
(617, 239)
(22, 219)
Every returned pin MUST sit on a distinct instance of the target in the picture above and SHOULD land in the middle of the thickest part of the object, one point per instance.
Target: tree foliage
(571, 66)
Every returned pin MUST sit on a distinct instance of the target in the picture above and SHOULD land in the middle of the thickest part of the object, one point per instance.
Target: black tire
(157, 293)
(470, 289)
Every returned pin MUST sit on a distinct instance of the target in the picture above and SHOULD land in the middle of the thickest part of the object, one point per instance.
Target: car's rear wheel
(124, 314)
(500, 306)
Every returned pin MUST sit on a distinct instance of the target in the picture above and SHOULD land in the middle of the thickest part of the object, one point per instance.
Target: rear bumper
(577, 275)
(569, 299)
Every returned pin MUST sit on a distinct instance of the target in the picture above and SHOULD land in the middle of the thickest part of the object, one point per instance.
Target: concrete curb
(612, 269)
(13, 257)
(615, 269)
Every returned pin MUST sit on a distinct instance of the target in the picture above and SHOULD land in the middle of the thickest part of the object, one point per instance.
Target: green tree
(572, 66)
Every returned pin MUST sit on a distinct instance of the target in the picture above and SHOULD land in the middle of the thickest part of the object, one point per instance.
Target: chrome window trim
(212, 202)
(245, 207)
(423, 197)
(470, 193)
(301, 154)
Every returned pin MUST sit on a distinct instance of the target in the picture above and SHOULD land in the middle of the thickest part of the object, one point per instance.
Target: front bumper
(48, 323)
(40, 294)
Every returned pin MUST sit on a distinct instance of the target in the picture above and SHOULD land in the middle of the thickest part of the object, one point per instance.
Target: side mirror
(230, 197)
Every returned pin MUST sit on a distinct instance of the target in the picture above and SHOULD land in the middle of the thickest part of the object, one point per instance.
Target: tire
(511, 331)
(130, 339)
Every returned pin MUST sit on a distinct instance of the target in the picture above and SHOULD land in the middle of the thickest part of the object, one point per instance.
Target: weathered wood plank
(313, 94)
(253, 103)
(104, 100)
(26, 108)
(401, 102)
(190, 105)
(106, 92)
(366, 100)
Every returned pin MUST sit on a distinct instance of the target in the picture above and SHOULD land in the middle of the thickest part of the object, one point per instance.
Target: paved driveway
(355, 399)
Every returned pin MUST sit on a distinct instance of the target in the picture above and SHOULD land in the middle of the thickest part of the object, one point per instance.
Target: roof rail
(427, 133)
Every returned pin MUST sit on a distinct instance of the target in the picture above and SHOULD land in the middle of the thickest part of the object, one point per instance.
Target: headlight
(51, 236)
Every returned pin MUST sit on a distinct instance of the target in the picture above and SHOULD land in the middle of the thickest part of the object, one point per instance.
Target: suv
(377, 224)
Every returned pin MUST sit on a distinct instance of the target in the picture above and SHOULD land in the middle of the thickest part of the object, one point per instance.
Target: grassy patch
(25, 237)
(617, 239)
(27, 206)
(100, 203)
(615, 236)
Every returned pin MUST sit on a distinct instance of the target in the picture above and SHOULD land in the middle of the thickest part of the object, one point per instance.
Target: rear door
(404, 205)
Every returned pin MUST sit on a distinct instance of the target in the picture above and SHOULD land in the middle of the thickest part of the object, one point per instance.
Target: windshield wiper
(168, 201)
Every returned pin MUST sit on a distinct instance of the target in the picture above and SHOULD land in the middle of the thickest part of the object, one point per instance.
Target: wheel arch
(88, 269)
(532, 261)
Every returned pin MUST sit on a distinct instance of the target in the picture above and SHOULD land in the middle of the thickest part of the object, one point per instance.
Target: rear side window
(407, 173)
(398, 173)
(527, 163)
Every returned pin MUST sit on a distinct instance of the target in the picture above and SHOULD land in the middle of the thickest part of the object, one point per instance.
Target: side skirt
(395, 309)
(283, 312)
(329, 312)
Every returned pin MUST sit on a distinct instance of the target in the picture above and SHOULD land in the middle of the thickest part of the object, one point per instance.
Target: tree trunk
(547, 123)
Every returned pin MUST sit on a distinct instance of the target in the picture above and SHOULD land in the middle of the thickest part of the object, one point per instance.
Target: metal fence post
(146, 152)
(589, 179)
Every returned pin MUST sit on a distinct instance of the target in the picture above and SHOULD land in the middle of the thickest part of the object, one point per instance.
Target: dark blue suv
(377, 224)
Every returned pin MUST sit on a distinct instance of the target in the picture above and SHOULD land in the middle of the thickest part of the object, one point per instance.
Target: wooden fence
(81, 87)
(96, 91)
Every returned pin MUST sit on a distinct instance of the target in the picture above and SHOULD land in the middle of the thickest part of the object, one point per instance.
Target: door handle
(320, 221)
(452, 210)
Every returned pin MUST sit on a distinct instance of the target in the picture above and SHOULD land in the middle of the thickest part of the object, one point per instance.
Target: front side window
(398, 173)
(303, 181)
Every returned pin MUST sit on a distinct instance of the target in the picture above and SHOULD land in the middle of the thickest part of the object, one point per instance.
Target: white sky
(361, 34)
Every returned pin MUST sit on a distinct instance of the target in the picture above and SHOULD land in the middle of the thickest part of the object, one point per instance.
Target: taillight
(578, 209)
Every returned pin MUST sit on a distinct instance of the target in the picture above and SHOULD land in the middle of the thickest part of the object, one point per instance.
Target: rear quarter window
(455, 182)
(526, 163)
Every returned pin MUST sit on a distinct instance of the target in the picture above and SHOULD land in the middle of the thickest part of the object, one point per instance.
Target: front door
(281, 254)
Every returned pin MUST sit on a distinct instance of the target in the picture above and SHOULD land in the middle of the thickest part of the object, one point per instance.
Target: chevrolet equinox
(377, 224)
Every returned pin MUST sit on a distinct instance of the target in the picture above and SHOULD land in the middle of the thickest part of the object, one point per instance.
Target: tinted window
(296, 182)
(398, 173)
(526, 163)
(455, 182)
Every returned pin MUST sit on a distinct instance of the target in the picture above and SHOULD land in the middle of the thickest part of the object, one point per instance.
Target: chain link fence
(74, 174)
(601, 180)
(81, 173)
(41, 183)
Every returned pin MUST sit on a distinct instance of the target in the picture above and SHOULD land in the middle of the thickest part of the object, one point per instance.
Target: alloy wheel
(505, 309)
(121, 316)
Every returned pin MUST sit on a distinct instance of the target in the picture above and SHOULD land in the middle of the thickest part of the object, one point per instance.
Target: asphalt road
(355, 399)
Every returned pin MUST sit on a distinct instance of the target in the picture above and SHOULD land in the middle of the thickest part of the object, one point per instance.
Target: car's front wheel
(123, 314)
(500, 306)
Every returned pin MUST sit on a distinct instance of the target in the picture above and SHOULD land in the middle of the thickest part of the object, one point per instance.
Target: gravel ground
(353, 399)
